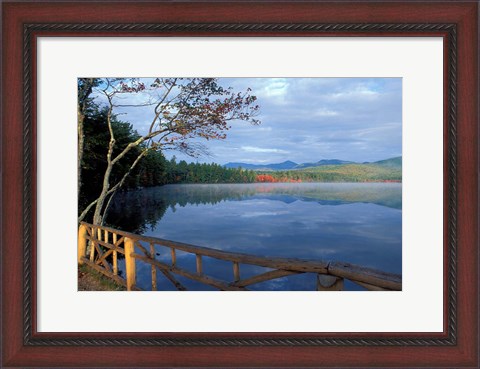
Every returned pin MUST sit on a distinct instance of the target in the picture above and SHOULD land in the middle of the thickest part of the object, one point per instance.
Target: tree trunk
(97, 215)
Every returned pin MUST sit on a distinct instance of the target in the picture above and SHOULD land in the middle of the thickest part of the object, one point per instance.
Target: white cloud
(259, 149)
(276, 87)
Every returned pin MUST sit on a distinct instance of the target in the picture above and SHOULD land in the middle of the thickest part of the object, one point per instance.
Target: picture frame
(23, 23)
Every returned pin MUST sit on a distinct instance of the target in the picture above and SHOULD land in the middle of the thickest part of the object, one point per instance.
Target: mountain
(282, 166)
(324, 162)
(392, 162)
(286, 165)
(289, 165)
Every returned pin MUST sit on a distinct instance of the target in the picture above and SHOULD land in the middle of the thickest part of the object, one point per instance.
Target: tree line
(335, 173)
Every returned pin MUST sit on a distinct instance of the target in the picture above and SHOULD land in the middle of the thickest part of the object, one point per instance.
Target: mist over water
(359, 223)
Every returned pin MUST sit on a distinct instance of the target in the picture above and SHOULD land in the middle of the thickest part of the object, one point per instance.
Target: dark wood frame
(456, 22)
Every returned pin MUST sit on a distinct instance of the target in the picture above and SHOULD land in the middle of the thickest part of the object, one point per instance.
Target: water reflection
(356, 223)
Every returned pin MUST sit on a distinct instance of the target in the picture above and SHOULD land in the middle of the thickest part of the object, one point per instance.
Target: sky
(306, 120)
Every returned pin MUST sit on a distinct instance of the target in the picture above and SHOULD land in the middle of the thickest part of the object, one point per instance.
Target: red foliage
(265, 178)
(270, 179)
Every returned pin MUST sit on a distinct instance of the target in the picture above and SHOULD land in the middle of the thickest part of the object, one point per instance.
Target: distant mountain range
(286, 165)
(290, 165)
(323, 162)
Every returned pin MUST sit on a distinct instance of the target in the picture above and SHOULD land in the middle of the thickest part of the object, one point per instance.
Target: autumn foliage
(270, 179)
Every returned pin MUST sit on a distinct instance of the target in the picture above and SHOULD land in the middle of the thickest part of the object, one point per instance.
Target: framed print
(316, 162)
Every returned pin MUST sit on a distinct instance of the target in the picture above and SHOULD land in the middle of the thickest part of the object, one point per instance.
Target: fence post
(82, 243)
(130, 263)
(153, 267)
(92, 245)
(199, 264)
(115, 257)
(236, 272)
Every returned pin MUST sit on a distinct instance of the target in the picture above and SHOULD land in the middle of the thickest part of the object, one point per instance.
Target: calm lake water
(356, 223)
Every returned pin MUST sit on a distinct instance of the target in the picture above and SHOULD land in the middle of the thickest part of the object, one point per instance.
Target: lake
(359, 223)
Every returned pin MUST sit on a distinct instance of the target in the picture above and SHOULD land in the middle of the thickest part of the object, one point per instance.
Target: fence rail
(105, 243)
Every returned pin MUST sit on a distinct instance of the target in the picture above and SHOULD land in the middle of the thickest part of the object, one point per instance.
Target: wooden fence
(106, 243)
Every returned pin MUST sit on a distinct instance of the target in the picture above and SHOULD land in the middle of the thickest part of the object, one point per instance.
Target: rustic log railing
(105, 244)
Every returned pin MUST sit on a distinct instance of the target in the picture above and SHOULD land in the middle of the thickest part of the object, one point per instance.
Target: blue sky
(306, 120)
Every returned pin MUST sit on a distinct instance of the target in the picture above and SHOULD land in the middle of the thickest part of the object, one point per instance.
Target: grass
(91, 280)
